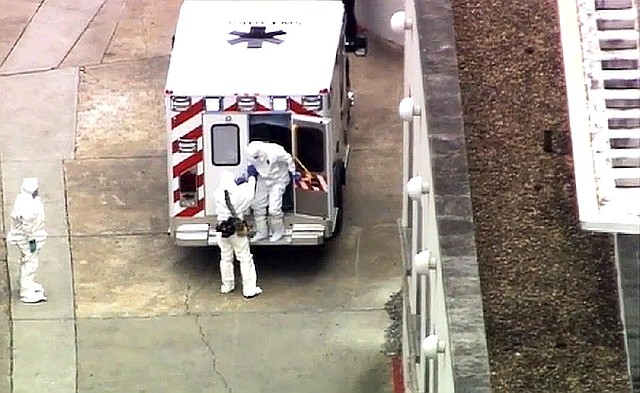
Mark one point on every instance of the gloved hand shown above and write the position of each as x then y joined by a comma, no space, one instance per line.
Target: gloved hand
240,180
32,246
295,176
252,171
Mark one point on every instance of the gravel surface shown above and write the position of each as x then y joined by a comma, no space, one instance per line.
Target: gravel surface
550,293
393,333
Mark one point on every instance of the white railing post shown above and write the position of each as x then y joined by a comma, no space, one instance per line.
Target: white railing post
400,24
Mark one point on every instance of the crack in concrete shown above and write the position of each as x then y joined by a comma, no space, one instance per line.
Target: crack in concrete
113,33
206,343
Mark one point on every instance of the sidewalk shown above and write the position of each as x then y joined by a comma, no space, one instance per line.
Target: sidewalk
44,339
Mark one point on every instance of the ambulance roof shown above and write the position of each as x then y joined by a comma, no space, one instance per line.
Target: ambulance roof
267,47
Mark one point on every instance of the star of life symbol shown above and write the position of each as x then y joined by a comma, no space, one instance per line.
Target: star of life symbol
256,36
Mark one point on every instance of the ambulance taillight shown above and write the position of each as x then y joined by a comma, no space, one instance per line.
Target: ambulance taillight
188,188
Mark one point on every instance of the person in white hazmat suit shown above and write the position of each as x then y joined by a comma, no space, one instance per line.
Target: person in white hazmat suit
232,200
28,234
274,169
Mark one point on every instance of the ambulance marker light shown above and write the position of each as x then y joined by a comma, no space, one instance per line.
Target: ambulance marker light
180,104
313,103
187,145
247,104
279,103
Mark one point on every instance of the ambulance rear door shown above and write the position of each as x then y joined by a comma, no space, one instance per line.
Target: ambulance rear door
225,137
311,139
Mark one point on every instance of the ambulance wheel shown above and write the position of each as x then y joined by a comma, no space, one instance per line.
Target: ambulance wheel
338,188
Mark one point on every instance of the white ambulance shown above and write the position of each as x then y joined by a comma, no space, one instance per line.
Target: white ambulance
269,70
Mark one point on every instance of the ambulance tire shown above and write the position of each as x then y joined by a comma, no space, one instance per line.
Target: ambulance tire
338,187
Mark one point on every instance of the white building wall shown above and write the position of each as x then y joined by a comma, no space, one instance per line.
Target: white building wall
375,14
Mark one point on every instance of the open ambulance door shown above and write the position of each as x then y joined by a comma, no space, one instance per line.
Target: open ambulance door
310,143
225,137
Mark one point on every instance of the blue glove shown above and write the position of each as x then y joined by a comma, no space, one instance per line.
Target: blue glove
295,176
252,171
240,180
32,246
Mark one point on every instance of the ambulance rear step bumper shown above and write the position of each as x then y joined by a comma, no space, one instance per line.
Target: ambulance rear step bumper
201,235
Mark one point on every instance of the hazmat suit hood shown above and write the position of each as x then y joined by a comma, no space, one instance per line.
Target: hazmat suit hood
272,162
256,150
27,204
240,196
27,215
30,185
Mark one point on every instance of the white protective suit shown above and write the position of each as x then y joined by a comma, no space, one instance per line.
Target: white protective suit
275,167
27,232
241,197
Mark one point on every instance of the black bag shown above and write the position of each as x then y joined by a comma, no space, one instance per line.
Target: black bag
226,228
232,225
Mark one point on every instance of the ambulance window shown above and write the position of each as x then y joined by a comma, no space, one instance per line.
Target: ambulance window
310,148
225,139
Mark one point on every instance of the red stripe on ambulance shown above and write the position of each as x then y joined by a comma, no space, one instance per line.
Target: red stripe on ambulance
191,161
191,135
192,211
192,111
258,108
300,110
185,130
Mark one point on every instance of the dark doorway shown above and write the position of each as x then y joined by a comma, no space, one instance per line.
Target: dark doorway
274,128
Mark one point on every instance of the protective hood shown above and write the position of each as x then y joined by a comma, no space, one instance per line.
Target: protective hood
30,185
27,215
255,150
239,195
27,207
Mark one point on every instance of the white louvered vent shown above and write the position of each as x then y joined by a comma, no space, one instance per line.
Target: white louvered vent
610,43
618,37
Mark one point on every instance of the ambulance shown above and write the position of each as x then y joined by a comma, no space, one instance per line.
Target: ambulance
258,70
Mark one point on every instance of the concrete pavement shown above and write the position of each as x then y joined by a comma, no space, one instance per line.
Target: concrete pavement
50,35
128,311
37,136
5,313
